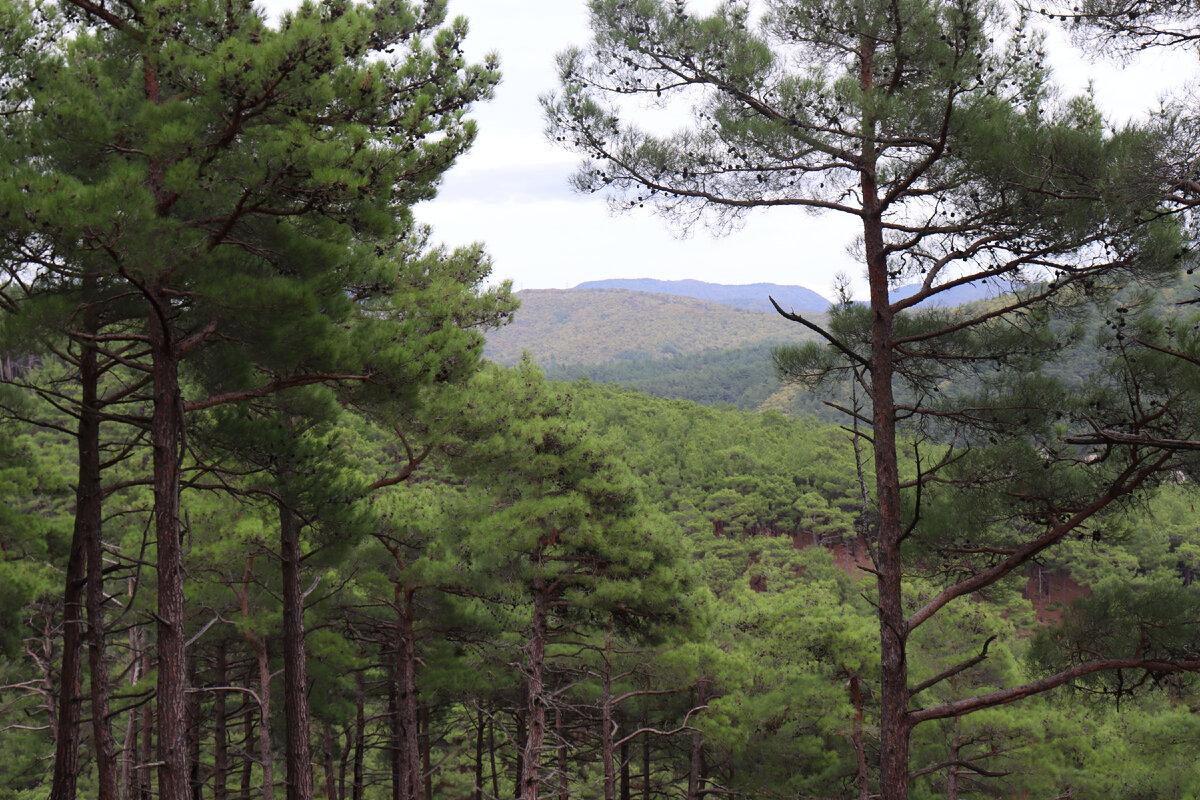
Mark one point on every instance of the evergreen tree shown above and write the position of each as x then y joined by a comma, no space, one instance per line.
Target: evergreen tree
225,172
935,127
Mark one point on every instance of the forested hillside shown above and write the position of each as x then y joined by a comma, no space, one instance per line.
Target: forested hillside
273,526
559,327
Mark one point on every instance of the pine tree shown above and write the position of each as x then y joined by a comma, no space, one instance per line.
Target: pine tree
935,127
225,172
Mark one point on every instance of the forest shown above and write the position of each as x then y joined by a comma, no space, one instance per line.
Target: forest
272,526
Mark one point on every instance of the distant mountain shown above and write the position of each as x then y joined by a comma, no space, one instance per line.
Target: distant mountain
752,296
594,326
958,296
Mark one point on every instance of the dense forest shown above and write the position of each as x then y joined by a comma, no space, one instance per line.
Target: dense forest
271,524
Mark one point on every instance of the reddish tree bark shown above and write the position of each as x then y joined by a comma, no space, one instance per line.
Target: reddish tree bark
220,726
535,685
297,718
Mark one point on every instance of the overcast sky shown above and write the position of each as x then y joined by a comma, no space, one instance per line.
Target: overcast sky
511,190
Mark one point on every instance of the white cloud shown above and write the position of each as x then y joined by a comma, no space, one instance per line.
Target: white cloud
511,190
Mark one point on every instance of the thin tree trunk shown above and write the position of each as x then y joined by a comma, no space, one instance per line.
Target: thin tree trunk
426,758
564,776
646,747
347,752
330,760
479,741
295,663
696,765
492,758
144,780
952,770
65,725
862,776
522,738
220,731
248,744
531,772
195,783
360,733
259,646
130,777
87,529
395,751
625,789
265,755
607,749
129,748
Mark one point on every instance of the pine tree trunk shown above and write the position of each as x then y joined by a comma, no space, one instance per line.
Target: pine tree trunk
195,781
259,646
479,741
347,753
426,758
531,772
564,776
696,766
521,740
248,744
102,736
329,761
492,758
265,755
360,733
295,662
952,770
129,749
625,770
406,739
646,749
66,725
395,750
895,727
145,789
87,529
166,433
862,777
220,730
131,777
607,749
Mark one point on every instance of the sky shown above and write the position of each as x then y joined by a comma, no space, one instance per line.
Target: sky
511,190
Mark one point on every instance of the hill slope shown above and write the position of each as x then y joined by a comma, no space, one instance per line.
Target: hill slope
593,326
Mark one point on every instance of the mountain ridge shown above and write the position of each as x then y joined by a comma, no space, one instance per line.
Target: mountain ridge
751,296
757,296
